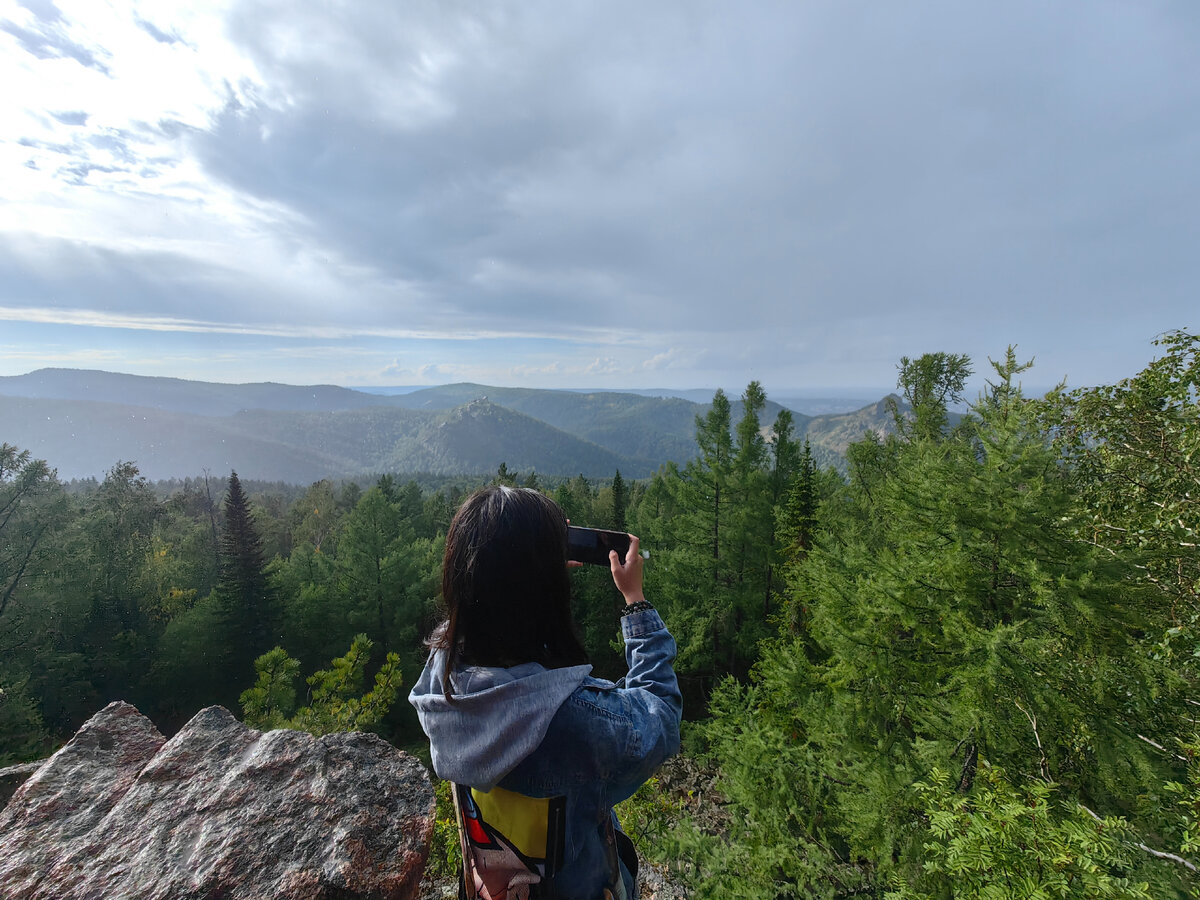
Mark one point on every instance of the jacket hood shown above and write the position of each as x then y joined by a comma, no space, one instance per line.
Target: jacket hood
498,717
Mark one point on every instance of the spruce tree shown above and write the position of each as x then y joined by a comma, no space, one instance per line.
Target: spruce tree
697,574
244,595
620,502
715,523
710,478
797,521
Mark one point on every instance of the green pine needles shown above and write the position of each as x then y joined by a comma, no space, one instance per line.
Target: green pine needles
336,698
968,696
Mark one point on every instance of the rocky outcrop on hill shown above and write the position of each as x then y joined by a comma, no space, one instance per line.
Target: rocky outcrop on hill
219,810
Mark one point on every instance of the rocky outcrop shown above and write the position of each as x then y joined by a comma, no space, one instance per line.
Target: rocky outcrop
219,810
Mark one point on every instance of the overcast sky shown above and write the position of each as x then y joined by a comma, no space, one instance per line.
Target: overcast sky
603,194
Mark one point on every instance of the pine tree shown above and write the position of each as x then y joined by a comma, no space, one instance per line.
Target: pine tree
710,476
620,502
696,560
785,463
715,526
244,595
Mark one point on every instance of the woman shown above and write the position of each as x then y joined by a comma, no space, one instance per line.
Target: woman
539,751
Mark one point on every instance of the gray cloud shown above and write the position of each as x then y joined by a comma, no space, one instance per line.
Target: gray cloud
789,156
777,188
71,118
158,34
51,42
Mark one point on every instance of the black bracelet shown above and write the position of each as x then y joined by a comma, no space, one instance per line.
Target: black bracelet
639,606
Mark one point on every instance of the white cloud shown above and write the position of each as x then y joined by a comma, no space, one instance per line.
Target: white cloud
674,358
434,373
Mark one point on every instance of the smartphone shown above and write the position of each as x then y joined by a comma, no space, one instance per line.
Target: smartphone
591,545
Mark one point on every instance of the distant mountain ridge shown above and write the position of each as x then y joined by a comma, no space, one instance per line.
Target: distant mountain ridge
84,421
202,398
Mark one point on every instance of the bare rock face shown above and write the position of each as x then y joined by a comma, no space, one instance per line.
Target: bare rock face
220,810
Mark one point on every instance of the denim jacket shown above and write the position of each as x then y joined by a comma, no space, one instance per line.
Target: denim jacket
560,732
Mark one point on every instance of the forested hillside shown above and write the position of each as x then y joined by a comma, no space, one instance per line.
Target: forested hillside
83,421
963,666
299,447
653,428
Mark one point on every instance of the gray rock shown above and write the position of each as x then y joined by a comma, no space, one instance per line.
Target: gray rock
220,810
12,777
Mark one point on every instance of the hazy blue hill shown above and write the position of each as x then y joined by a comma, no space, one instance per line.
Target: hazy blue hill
197,397
358,439
476,436
85,438
628,423
83,422
471,439
808,403
694,395
822,404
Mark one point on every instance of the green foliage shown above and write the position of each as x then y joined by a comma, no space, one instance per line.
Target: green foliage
796,516
1187,801
648,817
111,544
375,564
1004,842
23,736
950,614
315,518
772,843
930,384
445,851
187,667
272,700
336,701
1136,448
30,514
620,503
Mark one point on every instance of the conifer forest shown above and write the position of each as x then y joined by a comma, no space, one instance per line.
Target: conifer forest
961,664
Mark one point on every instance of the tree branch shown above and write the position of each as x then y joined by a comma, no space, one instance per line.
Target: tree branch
1191,867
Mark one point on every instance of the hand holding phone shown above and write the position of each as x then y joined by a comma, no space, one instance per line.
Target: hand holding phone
591,545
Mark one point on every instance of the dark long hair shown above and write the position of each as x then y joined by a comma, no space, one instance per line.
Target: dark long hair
505,583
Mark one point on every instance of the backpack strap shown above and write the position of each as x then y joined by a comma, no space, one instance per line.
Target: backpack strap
512,845
465,892
614,853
